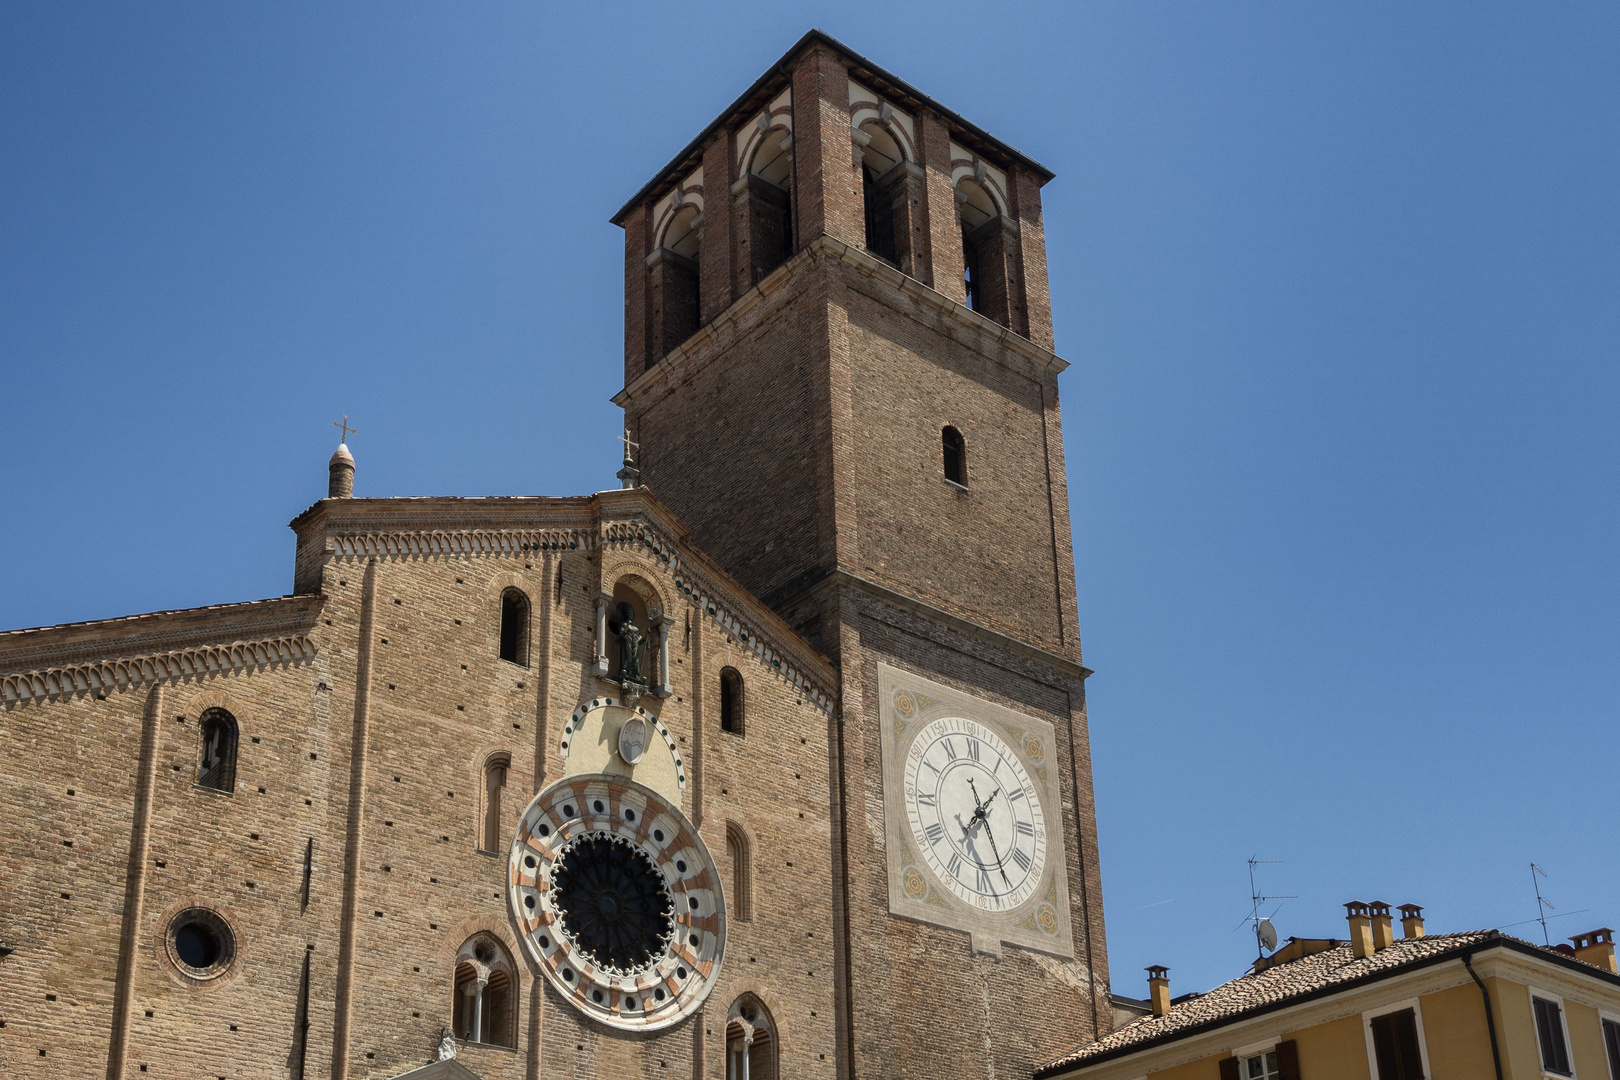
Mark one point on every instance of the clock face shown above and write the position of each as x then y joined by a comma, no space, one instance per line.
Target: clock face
617,901
974,814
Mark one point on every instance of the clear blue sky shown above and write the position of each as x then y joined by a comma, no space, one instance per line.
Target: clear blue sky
1338,281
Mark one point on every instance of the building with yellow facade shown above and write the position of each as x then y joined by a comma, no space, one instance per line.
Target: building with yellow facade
1468,1006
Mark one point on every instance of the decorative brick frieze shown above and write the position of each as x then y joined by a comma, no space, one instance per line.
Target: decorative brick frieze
133,672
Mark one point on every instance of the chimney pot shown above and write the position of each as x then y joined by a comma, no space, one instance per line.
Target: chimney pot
1596,947
1383,925
1360,919
1159,989
1411,921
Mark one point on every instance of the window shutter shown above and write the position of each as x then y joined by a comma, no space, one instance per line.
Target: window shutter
1229,1068
1288,1060
1550,1030
1611,1041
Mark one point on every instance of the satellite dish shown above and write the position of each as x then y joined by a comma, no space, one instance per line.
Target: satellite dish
1268,935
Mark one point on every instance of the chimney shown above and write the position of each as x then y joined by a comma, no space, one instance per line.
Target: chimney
1159,989
1411,921
1383,926
1361,938
340,484
1596,947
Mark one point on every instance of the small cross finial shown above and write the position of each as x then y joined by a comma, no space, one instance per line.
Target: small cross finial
629,475
347,430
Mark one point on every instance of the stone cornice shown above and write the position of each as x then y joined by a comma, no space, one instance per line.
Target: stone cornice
940,617
693,354
158,632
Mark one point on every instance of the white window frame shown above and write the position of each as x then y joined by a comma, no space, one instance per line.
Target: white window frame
1613,1018
1244,1053
1384,1010
1563,1021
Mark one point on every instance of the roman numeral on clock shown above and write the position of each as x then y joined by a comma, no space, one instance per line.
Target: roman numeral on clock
1024,828
927,799
983,883
935,833
954,865
973,749
1021,859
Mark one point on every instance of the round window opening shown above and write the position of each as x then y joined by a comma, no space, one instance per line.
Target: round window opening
201,943
614,902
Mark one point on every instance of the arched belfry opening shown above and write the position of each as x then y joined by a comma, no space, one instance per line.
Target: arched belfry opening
986,249
770,199
751,1040
887,191
676,276
486,993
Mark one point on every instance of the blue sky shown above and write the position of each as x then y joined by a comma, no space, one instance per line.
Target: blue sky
1339,283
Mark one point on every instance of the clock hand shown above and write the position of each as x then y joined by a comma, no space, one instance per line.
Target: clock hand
996,851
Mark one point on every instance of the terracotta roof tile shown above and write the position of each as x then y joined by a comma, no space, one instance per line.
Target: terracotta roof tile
1271,988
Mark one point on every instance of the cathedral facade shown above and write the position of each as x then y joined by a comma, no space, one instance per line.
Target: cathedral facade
772,763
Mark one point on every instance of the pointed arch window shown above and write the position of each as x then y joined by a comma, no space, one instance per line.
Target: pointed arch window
515,627
485,1006
750,1040
219,736
955,448
739,856
731,701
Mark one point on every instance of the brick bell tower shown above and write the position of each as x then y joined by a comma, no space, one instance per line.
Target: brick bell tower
839,369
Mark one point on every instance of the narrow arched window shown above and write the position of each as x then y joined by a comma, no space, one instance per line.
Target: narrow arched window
742,886
515,627
955,457
485,1005
218,768
494,788
731,701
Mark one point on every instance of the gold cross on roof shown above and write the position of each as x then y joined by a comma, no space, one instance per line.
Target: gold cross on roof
347,430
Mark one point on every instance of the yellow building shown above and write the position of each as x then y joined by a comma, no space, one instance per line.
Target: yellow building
1467,1006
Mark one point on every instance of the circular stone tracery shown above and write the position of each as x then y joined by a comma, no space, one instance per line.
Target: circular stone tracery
613,901
617,901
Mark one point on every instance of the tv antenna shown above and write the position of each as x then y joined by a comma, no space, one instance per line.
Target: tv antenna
1543,905
1265,934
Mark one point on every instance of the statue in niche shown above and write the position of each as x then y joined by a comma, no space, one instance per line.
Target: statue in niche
631,640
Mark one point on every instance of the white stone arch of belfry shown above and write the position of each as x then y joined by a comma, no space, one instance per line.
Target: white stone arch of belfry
678,217
771,130
968,172
868,111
